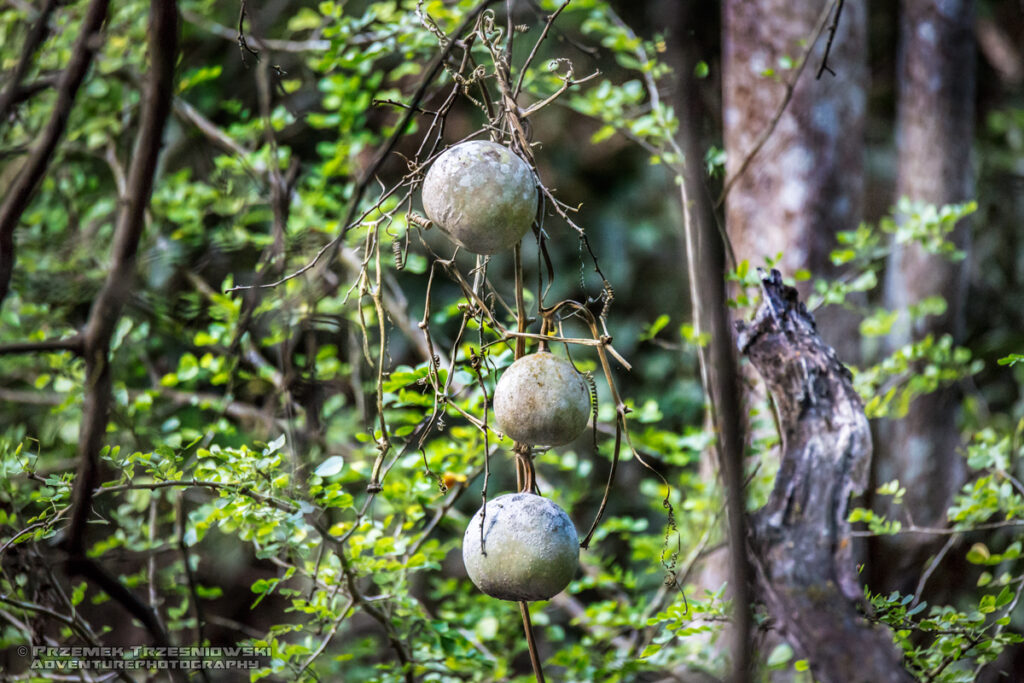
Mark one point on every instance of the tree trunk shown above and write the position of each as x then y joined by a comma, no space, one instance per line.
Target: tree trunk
806,182
935,129
794,151
706,266
801,540
706,272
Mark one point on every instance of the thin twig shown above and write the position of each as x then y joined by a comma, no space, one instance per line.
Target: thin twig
327,638
186,112
382,154
786,98
33,40
533,53
939,531
73,344
402,105
585,543
222,486
404,657
828,46
1000,625
312,45
154,598
566,84
74,622
32,527
443,510
243,44
919,591
193,588
20,193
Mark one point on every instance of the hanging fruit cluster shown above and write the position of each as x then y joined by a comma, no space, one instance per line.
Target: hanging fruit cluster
520,546
485,196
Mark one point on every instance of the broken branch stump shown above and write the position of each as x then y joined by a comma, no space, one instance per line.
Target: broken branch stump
800,540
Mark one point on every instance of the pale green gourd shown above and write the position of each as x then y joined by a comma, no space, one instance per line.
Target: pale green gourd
481,195
530,548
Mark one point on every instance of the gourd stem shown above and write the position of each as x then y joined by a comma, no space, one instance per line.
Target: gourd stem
526,475
517,259
524,609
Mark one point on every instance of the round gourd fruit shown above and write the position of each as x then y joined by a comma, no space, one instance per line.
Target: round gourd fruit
541,399
482,195
530,548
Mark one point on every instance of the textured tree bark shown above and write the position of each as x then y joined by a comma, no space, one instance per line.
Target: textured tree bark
806,182
936,126
800,539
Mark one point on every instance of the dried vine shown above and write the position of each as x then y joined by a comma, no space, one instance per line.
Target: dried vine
390,224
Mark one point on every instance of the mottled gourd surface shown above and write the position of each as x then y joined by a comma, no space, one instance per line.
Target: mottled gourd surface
482,195
530,548
541,399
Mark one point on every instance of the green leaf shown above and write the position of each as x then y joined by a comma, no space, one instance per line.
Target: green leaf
275,445
486,628
654,328
652,648
843,256
602,134
780,656
1004,598
209,593
978,554
879,323
304,19
330,467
